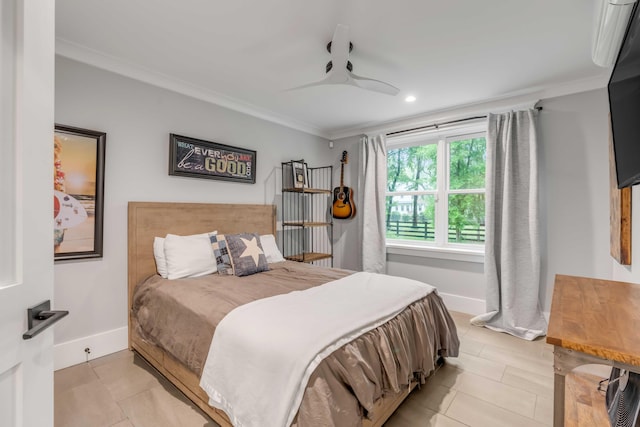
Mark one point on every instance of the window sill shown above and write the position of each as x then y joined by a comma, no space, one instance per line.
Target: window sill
453,254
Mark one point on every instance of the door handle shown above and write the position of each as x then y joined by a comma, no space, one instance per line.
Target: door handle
40,317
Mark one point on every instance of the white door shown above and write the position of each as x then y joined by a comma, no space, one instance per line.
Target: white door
26,208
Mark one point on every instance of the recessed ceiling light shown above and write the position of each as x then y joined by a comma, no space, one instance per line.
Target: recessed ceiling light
410,98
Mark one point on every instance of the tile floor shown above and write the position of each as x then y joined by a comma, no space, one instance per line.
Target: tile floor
498,380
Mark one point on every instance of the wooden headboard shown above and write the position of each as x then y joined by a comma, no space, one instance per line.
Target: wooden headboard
150,219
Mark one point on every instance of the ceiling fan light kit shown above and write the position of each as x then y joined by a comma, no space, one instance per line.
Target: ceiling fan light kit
339,69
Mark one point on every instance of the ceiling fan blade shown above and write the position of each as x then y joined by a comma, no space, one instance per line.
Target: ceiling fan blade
373,85
334,77
318,83
340,47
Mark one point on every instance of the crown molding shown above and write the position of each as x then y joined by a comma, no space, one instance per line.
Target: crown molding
80,53
508,101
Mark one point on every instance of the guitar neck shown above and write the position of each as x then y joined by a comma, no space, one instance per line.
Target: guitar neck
341,176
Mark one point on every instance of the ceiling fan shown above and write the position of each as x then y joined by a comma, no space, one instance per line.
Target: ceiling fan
339,69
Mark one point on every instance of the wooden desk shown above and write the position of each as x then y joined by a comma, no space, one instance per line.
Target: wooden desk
592,321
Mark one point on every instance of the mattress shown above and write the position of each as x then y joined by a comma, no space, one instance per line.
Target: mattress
180,316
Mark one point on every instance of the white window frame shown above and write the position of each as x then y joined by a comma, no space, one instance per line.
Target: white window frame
440,247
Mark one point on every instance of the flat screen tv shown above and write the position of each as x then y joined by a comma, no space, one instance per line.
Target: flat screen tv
624,103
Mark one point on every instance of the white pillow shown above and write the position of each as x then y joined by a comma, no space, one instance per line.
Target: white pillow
189,256
270,248
158,253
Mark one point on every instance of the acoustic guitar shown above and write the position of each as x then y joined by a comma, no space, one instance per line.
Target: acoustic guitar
343,206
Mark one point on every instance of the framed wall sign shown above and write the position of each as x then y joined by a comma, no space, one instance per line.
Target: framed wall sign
205,159
78,196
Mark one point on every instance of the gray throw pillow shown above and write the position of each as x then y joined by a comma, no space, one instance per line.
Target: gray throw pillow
246,254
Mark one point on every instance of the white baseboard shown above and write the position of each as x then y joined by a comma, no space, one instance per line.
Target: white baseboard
72,352
462,304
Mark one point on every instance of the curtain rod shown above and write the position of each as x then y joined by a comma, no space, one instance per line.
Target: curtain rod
437,125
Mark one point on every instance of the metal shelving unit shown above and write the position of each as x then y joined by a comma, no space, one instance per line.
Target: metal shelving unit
307,222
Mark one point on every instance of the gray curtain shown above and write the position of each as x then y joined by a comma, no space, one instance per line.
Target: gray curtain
512,250
373,184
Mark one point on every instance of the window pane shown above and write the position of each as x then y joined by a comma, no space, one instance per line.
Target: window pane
411,217
466,218
467,160
412,168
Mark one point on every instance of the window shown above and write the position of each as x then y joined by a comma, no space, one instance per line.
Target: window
435,189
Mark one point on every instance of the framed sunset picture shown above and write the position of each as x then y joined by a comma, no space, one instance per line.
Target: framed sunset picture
78,197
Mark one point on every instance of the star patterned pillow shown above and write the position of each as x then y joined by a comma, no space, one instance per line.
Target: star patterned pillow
247,254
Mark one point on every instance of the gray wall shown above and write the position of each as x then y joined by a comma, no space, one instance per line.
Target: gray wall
574,201
138,119
574,188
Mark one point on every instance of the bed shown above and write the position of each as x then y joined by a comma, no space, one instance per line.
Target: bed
147,220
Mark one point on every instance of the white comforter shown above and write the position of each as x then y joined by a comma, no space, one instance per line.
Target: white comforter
263,353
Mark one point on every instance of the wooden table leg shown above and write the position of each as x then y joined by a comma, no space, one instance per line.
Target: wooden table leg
558,400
